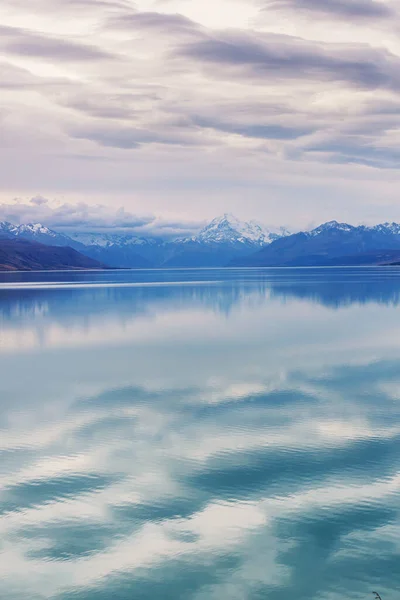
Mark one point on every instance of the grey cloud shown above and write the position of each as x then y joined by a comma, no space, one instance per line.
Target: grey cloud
284,57
14,78
66,6
172,24
171,229
224,113
38,200
382,106
95,4
24,42
180,90
109,106
380,158
343,9
98,216
371,126
355,149
180,225
73,216
83,217
271,131
129,137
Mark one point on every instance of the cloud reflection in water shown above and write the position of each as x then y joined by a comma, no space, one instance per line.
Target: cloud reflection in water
237,438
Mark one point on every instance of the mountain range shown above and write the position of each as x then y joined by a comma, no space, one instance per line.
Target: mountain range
222,240
225,241
330,244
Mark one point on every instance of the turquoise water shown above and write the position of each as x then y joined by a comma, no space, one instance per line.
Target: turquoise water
200,435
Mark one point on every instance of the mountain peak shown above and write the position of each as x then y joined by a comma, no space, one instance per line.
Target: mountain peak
393,228
7,229
35,228
331,225
40,233
227,219
6,225
230,230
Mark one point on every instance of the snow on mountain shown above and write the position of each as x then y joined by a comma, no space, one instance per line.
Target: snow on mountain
393,228
107,240
29,230
227,229
330,225
36,232
279,233
35,229
7,230
224,239
383,228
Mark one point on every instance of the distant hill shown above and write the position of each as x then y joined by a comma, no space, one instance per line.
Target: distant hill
330,244
23,255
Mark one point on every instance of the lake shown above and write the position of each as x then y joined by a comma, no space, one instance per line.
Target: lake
200,434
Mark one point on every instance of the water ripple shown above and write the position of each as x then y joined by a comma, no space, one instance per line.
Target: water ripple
233,440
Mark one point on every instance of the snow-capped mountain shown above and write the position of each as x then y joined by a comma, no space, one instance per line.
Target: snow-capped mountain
335,227
223,240
106,240
227,229
331,244
117,251
124,250
218,242
389,228
330,226
36,229
35,232
7,230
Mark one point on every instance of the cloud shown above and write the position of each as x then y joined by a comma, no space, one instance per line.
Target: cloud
68,217
253,130
352,149
280,57
15,78
342,9
101,105
23,42
183,107
182,444
130,137
38,200
172,24
75,7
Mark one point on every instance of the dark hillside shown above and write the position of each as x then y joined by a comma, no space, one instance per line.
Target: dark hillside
22,255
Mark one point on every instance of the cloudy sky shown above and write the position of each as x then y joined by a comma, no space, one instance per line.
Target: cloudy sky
115,111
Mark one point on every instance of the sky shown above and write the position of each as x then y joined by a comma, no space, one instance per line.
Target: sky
166,113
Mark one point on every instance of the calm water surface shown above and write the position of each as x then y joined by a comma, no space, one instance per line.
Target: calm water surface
200,435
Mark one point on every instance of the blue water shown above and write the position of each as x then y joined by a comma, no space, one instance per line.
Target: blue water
200,435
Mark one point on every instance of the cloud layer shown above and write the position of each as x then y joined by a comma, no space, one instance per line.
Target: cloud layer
69,217
262,108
